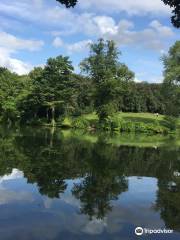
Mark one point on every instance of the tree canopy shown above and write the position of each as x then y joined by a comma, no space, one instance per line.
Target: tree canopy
55,92
172,79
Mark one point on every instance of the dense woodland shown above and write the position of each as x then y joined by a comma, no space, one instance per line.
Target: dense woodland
105,86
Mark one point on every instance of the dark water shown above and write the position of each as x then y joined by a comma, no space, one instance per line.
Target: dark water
69,186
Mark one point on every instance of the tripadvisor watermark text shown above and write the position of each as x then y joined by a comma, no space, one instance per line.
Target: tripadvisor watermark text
140,231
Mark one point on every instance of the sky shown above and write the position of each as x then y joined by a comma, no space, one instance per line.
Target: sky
31,31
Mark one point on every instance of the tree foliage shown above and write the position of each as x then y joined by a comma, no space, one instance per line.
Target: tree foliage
171,86
105,70
175,4
68,3
50,94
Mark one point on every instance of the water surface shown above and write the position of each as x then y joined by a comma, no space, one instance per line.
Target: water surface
58,185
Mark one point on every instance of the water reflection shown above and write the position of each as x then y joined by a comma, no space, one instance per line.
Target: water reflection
56,186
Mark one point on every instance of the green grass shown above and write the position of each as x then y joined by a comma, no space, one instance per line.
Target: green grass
142,117
132,117
133,122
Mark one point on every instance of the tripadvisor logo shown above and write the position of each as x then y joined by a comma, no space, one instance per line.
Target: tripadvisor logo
139,231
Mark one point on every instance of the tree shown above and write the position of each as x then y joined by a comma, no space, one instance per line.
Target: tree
175,4
102,66
52,89
68,3
172,64
171,85
12,89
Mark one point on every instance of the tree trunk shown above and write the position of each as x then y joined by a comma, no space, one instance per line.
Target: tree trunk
35,115
53,116
47,114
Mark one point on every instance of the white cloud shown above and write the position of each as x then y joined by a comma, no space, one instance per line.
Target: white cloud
78,46
131,7
57,42
10,44
68,22
152,37
13,64
13,43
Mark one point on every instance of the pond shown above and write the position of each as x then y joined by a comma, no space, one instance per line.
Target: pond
65,185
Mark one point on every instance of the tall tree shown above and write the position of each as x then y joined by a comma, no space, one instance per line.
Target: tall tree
56,85
171,86
102,65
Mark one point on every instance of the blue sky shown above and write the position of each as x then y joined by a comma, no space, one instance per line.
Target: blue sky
33,30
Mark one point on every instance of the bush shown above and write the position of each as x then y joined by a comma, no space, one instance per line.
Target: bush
66,123
80,123
105,124
116,123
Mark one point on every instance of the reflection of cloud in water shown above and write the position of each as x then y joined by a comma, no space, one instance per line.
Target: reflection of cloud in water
9,196
14,175
95,226
71,200
48,202
66,197
135,206
62,216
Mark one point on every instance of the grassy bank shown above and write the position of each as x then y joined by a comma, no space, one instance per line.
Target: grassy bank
124,139
123,122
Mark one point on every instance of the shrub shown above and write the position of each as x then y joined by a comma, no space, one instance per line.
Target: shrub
116,123
128,127
80,123
105,124
66,123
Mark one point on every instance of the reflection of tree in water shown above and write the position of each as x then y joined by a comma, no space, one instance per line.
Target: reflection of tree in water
49,160
96,192
168,202
103,183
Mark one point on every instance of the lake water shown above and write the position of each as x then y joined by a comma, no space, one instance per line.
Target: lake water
63,185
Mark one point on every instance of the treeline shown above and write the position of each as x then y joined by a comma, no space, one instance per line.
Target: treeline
105,86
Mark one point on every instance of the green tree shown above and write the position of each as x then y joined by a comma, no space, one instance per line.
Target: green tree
102,66
52,91
171,86
12,89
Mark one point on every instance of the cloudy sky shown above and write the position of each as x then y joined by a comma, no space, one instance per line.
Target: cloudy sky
33,30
